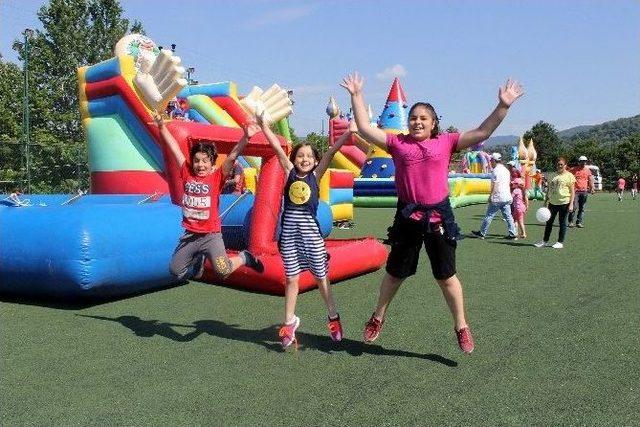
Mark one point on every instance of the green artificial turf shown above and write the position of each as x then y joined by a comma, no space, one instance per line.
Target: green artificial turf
556,344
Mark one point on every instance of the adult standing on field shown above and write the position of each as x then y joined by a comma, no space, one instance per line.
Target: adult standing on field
559,200
499,199
584,186
423,214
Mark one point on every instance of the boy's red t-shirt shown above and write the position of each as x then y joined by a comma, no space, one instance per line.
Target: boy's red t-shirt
200,202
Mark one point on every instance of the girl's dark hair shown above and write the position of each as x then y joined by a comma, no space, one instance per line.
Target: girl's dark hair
294,151
203,147
434,116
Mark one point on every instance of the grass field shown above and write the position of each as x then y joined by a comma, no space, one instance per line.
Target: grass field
556,344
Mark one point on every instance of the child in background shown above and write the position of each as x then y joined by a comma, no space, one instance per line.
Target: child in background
519,206
202,182
634,185
620,190
301,244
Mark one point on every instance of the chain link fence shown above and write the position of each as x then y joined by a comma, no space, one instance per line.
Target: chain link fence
51,168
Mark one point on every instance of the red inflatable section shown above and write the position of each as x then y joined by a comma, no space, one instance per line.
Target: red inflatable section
340,179
128,182
337,127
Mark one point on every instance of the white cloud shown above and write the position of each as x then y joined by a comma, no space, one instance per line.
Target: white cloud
396,70
278,16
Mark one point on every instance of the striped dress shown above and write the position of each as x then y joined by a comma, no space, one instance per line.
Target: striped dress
301,244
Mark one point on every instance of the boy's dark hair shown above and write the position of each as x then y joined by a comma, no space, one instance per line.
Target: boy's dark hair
298,146
434,116
203,147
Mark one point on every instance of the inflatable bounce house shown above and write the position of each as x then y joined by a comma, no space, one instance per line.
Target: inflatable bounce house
525,160
120,239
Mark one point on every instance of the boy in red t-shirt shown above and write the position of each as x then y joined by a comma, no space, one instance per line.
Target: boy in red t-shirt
202,182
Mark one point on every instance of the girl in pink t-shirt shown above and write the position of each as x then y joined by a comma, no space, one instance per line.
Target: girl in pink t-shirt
519,205
424,215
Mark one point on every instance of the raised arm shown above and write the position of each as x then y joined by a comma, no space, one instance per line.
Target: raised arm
275,144
353,83
169,140
249,130
324,162
507,95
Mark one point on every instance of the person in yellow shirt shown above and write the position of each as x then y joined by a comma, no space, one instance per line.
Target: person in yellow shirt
559,200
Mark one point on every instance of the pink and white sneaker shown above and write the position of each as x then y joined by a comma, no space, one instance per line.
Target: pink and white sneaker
288,332
335,329
465,340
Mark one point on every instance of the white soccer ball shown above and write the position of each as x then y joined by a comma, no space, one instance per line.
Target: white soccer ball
543,214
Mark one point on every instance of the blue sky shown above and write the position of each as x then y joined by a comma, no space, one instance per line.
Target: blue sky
579,61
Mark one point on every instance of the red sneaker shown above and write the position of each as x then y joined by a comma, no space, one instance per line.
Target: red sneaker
465,340
288,332
372,329
335,328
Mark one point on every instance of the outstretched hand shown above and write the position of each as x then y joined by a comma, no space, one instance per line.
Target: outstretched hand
511,91
353,128
251,128
353,83
158,120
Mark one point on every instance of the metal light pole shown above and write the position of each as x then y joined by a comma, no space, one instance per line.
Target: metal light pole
28,33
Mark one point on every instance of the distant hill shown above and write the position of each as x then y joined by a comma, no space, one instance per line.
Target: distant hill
568,133
610,132
501,140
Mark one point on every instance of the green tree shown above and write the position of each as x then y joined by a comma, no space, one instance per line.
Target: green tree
321,142
547,142
10,101
75,33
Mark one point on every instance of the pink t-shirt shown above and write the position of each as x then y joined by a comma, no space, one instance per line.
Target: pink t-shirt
422,167
621,184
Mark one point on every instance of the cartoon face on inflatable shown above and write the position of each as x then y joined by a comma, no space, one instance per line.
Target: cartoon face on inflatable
142,48
299,192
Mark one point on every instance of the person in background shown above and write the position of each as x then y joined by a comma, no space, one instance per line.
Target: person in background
513,171
519,205
499,199
584,186
634,185
235,182
559,200
620,190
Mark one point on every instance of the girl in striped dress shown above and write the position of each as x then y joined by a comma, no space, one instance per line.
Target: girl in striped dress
301,244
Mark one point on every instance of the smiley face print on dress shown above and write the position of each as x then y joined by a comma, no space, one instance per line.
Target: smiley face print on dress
299,192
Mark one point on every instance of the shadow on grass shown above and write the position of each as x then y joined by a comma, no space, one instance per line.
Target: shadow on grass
263,337
511,243
78,302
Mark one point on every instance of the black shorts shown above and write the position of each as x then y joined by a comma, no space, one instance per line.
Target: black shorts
406,238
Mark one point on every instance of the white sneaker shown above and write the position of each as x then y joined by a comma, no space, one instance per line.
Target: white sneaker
540,244
557,245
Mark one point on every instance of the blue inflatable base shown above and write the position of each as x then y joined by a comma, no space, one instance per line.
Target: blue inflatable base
102,245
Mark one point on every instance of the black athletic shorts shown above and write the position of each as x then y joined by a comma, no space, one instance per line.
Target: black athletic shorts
406,238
